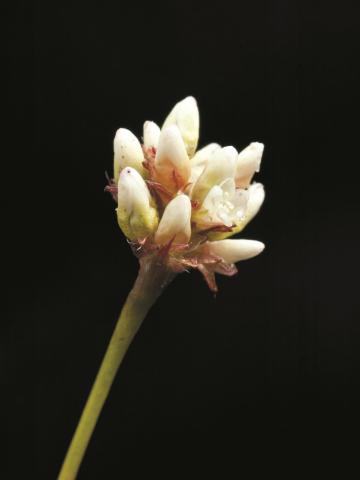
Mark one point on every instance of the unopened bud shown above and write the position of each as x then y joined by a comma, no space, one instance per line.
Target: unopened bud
232,251
185,115
175,224
136,215
127,152
172,164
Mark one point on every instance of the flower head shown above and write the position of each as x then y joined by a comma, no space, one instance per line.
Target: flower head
183,204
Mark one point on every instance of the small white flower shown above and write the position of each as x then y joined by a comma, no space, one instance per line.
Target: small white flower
255,198
224,204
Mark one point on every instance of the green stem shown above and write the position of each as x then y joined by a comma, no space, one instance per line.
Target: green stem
152,279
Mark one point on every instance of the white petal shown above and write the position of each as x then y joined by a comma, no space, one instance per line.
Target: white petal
228,186
175,223
238,197
202,155
212,200
223,204
151,135
220,166
127,152
256,197
185,115
248,163
199,160
233,251
196,171
172,164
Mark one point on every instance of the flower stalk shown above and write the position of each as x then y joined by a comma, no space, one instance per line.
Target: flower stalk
177,207
153,277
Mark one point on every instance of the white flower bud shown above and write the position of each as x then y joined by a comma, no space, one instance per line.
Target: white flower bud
172,164
151,135
136,215
219,167
203,154
175,223
127,152
232,251
248,163
185,115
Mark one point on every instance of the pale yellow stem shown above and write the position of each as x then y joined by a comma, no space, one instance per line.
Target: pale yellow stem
152,279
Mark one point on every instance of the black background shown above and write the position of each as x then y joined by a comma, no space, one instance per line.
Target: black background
266,374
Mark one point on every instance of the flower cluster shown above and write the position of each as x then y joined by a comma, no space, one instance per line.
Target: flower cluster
181,203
